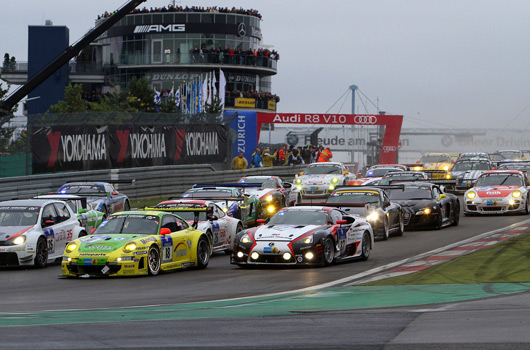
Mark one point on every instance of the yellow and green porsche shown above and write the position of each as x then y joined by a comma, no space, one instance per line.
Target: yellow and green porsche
135,243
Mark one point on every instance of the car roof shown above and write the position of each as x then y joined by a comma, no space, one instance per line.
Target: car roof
58,196
27,202
507,171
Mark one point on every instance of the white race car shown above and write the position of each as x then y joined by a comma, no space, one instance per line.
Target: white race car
207,217
35,231
305,236
498,192
318,180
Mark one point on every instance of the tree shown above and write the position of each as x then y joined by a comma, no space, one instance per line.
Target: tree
144,95
73,101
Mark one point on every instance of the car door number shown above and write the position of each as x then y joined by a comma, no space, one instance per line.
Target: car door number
167,253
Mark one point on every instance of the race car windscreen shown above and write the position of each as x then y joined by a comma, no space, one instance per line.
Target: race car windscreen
265,183
473,155
191,215
85,189
500,180
18,216
464,166
435,158
390,179
129,224
323,170
208,194
411,193
299,217
514,166
512,155
380,172
354,198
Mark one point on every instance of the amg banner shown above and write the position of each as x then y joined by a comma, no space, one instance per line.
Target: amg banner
67,148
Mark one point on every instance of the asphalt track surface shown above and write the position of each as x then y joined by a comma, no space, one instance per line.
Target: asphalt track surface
157,320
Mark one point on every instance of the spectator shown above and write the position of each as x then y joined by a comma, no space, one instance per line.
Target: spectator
268,158
239,162
325,156
295,158
281,156
256,161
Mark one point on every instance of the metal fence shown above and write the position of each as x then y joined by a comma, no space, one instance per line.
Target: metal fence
150,182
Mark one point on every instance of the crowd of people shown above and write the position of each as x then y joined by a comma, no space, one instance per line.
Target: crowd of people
257,95
171,8
254,57
283,156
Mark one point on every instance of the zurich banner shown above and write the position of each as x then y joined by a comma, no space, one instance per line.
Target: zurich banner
244,132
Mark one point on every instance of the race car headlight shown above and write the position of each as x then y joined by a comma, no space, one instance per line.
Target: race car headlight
19,240
246,239
271,209
331,187
269,198
373,216
335,180
446,167
298,181
225,209
308,240
424,211
286,256
471,195
299,187
129,247
417,168
71,247
516,194
448,176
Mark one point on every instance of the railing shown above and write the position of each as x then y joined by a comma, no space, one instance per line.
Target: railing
74,67
150,182
198,58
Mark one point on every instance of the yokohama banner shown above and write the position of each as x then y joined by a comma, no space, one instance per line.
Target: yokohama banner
67,148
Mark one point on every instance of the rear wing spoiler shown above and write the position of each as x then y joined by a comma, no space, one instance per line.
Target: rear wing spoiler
356,187
240,185
176,210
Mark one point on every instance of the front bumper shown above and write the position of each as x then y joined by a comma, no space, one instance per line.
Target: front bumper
15,255
274,255
316,191
494,206
99,266
412,221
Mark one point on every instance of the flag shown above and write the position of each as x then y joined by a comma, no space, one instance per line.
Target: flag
172,92
200,95
205,90
177,99
157,100
222,87
214,85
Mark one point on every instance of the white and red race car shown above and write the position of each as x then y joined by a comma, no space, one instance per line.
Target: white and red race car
375,173
498,192
207,217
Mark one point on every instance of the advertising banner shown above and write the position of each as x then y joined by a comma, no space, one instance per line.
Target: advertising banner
245,102
67,148
244,130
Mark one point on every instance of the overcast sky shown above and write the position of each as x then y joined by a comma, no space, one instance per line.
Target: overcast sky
452,63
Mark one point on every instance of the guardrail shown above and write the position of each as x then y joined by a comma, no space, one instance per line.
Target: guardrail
150,182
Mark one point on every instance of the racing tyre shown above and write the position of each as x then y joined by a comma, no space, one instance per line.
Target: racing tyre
386,230
203,253
126,206
526,209
82,234
401,227
456,215
238,229
329,252
105,210
41,253
210,237
153,261
366,246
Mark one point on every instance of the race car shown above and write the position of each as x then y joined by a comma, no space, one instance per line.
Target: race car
375,174
512,154
101,196
466,172
270,190
395,177
304,236
35,231
208,217
514,165
232,200
87,217
318,180
426,204
137,243
435,161
498,192
471,155
385,217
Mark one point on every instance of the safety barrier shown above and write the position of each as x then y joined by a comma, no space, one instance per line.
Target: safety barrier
149,182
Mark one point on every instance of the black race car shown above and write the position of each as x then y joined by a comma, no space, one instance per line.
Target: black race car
426,204
385,217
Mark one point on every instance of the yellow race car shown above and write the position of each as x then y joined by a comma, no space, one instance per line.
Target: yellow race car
435,161
137,243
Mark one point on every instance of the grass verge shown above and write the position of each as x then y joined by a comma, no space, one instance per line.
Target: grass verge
505,262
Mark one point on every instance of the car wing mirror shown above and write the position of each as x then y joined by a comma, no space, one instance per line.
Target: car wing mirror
165,231
81,211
